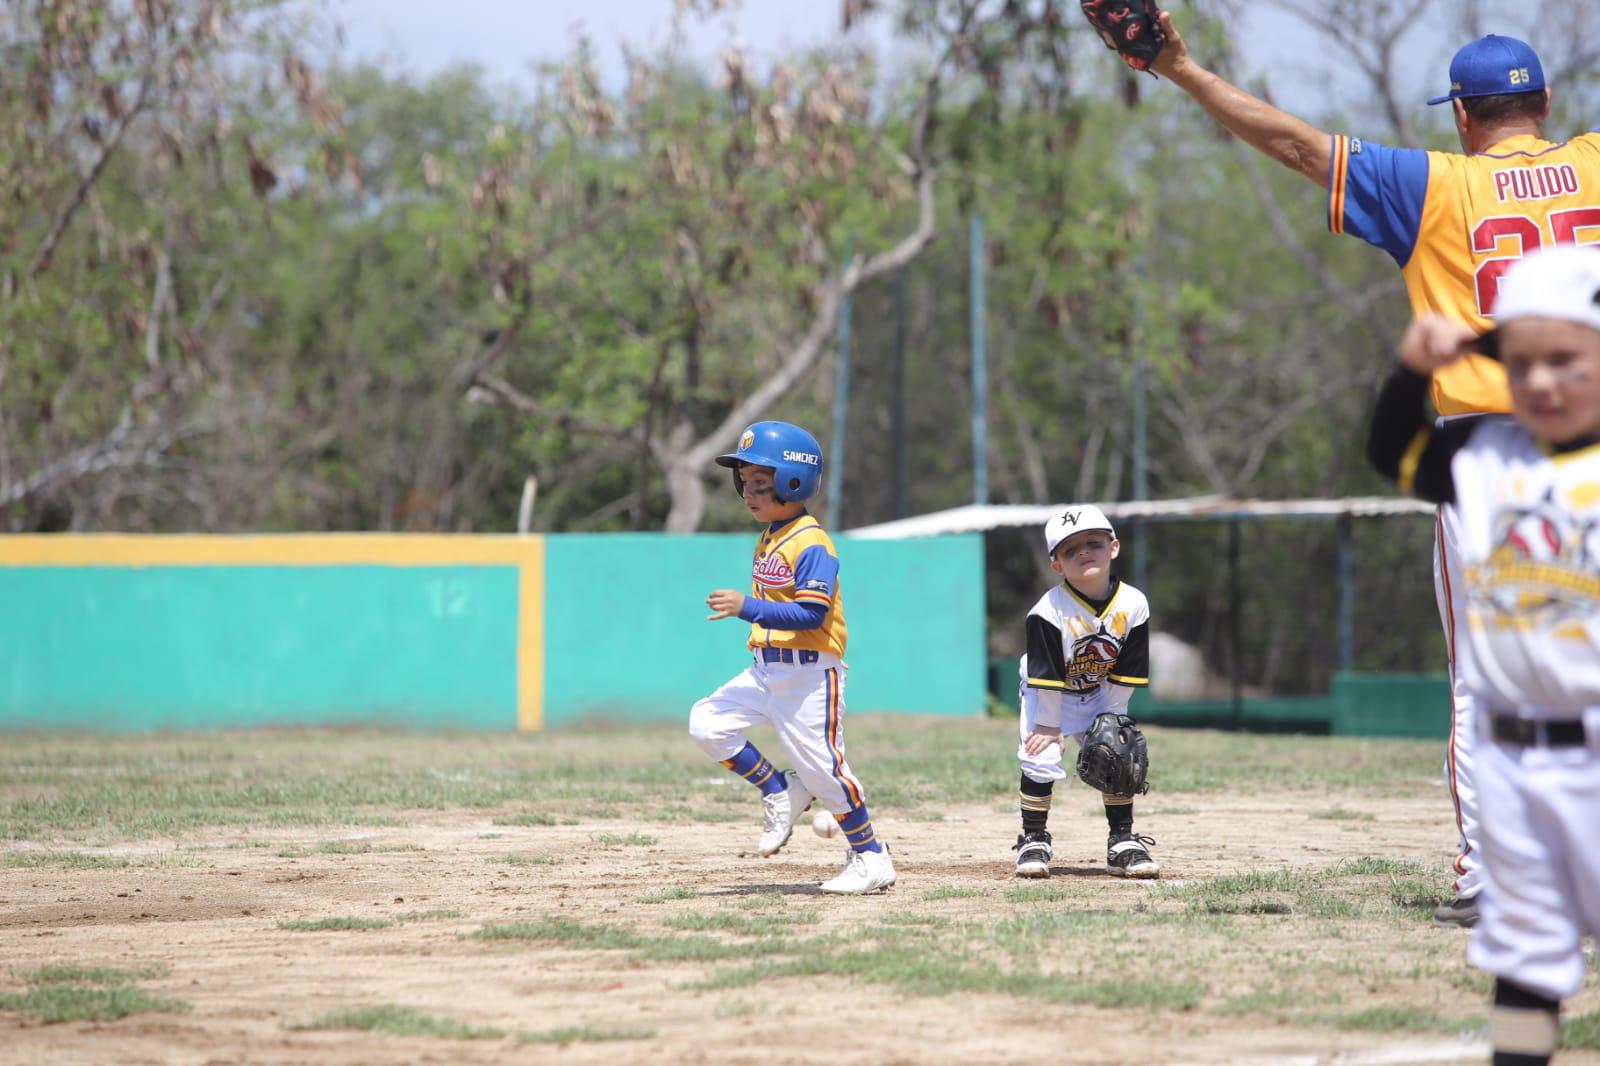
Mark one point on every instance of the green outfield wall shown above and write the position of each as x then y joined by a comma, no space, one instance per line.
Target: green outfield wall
483,632
1357,704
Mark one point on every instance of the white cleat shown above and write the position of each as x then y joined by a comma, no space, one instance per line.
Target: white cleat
864,872
779,813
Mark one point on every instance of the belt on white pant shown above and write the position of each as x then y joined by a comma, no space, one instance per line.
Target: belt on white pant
1537,732
786,655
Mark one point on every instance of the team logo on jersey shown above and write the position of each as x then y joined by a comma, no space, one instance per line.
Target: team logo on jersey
1543,568
772,572
1090,659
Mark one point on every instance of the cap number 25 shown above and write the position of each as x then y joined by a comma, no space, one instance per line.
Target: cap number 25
1522,235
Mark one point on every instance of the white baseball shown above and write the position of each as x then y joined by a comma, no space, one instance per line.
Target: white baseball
824,825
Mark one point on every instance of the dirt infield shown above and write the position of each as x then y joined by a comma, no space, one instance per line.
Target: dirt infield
1288,926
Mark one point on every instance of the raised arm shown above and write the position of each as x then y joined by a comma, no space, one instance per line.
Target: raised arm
1277,134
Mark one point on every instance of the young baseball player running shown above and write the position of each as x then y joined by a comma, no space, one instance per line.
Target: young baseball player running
796,678
1527,493
1088,642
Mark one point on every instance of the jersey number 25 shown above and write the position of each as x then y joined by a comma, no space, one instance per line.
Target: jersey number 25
1526,235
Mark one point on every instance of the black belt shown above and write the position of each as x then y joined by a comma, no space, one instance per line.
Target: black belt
1533,733
787,655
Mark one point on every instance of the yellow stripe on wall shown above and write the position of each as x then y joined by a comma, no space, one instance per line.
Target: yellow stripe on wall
294,549
530,638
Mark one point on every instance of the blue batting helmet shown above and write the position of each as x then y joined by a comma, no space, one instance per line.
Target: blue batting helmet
794,455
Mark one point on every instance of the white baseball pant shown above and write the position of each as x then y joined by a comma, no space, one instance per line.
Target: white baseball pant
804,704
1070,713
1542,865
1449,587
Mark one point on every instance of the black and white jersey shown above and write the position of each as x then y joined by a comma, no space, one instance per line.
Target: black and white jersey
1077,645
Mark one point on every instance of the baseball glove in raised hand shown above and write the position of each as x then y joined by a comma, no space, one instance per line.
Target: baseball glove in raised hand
1129,26
1114,758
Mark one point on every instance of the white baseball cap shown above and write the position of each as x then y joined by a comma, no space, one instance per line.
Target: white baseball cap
1561,282
1075,519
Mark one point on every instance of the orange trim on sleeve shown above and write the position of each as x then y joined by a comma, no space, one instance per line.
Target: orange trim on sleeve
1336,182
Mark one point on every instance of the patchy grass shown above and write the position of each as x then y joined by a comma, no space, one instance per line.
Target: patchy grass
341,847
332,925
1045,893
525,818
579,1034
951,892
1389,1019
142,787
1251,946
627,840
1582,1032
667,895
77,860
69,992
105,976
75,1003
742,925
518,859
402,1021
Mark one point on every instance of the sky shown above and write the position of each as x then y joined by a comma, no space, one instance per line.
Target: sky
506,37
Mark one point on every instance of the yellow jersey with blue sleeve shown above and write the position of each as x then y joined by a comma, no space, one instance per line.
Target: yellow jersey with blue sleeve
794,599
1455,223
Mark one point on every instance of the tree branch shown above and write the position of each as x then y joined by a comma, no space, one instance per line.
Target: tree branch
58,228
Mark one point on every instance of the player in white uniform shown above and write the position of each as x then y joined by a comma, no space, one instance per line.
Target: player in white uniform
1088,649
1527,493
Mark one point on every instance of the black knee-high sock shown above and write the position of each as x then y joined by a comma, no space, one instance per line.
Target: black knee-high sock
1119,814
1035,798
1524,1026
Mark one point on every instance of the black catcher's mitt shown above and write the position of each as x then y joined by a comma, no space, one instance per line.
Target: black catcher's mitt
1113,757
1129,26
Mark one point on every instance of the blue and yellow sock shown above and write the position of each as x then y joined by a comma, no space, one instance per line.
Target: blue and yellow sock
753,766
857,826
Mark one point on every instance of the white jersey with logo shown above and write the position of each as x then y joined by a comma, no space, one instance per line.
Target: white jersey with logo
1530,544
1083,658
1531,553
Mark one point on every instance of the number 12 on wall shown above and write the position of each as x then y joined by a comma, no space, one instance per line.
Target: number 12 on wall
448,599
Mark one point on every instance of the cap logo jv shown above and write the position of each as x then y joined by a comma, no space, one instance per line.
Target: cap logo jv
746,440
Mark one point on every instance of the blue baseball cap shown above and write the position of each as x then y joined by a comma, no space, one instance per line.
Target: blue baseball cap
1492,66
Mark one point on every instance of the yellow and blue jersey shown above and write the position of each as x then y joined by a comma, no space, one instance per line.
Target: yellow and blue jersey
1455,223
794,578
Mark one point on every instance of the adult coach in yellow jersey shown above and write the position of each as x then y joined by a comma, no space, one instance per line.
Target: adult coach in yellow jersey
1453,223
